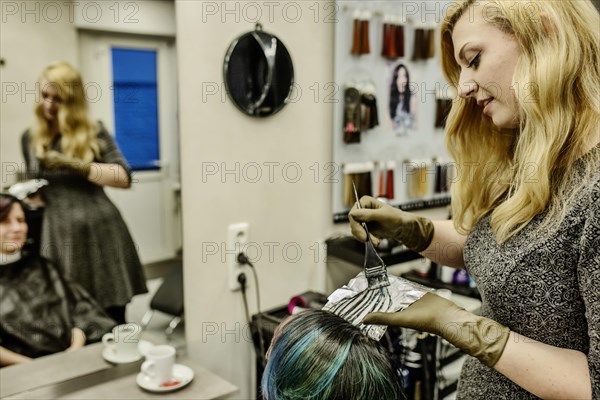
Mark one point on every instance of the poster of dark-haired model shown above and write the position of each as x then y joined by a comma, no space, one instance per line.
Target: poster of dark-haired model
403,101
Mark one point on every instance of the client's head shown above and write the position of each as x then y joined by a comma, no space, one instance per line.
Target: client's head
13,226
317,355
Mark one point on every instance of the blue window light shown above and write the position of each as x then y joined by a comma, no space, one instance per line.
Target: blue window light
136,107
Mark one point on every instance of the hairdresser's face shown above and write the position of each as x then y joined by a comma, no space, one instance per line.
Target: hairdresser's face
13,230
51,100
487,58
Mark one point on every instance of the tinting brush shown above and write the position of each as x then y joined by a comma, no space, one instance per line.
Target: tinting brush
373,290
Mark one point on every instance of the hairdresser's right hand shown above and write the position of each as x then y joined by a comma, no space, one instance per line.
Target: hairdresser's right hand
57,160
385,221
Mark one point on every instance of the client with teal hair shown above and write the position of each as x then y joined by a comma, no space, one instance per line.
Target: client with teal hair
317,355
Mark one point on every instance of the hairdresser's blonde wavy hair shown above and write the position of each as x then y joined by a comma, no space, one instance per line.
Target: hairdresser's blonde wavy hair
79,133
523,173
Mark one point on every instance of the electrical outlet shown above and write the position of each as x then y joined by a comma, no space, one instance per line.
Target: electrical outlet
237,238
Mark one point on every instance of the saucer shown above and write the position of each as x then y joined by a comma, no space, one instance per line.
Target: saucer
109,355
182,375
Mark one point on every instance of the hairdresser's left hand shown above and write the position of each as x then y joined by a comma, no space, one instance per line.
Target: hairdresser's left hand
477,336
56,160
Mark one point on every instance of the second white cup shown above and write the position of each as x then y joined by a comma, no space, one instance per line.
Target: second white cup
159,364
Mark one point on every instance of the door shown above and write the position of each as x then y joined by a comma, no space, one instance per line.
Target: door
151,207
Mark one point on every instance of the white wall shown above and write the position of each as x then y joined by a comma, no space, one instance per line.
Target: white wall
217,138
30,38
150,17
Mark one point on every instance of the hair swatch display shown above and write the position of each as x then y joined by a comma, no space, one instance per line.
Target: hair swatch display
360,111
365,48
358,174
348,195
388,48
360,33
352,115
381,192
419,44
363,183
418,182
386,180
369,117
430,43
424,45
389,186
393,39
441,178
385,71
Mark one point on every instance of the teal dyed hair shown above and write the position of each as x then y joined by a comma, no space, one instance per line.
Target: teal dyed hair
319,356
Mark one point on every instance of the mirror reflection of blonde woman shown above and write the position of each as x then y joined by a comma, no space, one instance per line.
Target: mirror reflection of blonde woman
83,232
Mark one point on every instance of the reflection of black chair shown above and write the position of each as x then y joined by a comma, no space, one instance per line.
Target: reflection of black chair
168,299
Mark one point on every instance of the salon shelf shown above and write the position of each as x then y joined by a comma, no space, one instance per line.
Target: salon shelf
351,250
438,284
342,217
449,359
448,390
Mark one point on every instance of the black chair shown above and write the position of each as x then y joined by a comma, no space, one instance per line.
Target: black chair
168,299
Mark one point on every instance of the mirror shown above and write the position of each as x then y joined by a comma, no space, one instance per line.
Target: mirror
258,73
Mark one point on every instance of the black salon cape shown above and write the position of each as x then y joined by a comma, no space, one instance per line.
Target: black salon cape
38,309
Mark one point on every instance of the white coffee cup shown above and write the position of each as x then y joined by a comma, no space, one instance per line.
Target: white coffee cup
123,340
159,364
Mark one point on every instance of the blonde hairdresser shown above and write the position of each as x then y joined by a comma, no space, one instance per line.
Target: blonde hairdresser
524,133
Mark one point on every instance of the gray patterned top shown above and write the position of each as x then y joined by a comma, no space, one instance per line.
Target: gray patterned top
543,286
